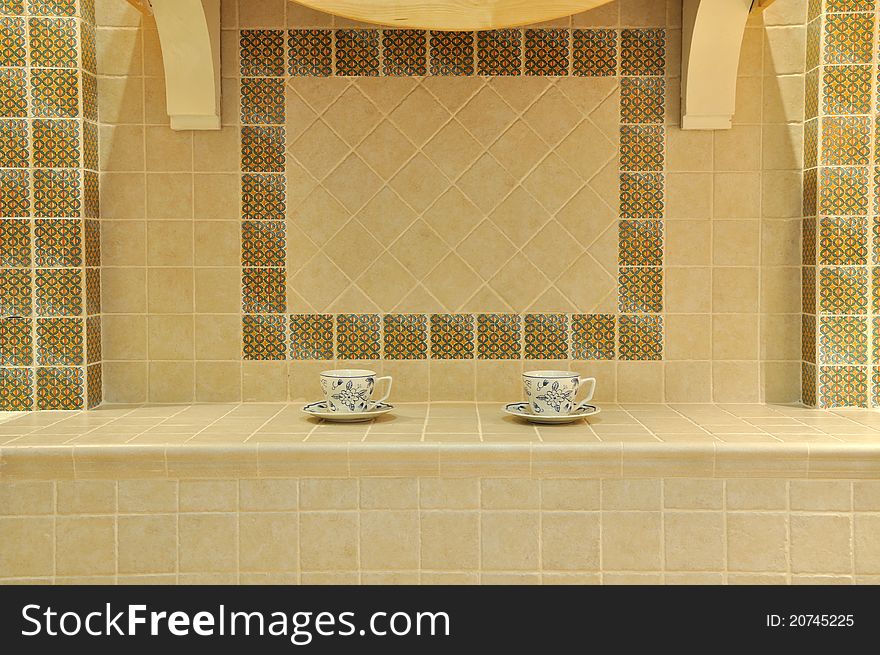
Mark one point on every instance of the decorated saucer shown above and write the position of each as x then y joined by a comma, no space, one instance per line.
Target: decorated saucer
522,410
320,410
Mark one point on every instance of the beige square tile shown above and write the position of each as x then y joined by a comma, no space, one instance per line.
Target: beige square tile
389,493
687,493
268,495
867,538
170,290
570,541
452,380
820,495
631,541
736,243
328,493
207,543
268,541
821,544
509,540
147,544
170,337
147,496
450,540
263,381
640,382
449,493
171,382
570,494
218,382
631,494
208,495
510,494
756,542
694,541
27,546
688,243
688,290
86,497
688,382
329,541
85,545
689,195
27,498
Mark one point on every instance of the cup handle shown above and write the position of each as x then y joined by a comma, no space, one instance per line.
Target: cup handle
589,396
387,392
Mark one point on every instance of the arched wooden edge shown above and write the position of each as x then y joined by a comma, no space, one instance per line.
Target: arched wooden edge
452,14
189,33
712,33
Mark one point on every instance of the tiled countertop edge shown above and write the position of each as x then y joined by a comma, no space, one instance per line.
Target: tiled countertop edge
90,462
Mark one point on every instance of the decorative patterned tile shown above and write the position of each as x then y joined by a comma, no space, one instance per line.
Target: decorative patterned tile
93,339
357,336
52,7
875,338
814,38
12,7
547,52
56,143
642,195
640,243
13,93
54,93
592,336
93,291
843,340
499,336
88,49
643,52
15,292
262,197
357,53
261,53
452,53
845,90
16,389
811,143
263,337
60,388
843,191
13,144
92,242
640,289
12,41
499,52
91,196
808,338
14,193
843,386
843,240
808,241
90,145
406,336
90,96
810,195
15,242
311,53
58,242
16,342
59,292
263,290
876,191
875,289
262,243
640,337
808,384
642,99
846,141
452,336
94,385
642,147
262,149
849,38
53,42
311,336
546,336
594,53
875,386
57,193
59,342
843,290
808,289
262,100
815,6
404,52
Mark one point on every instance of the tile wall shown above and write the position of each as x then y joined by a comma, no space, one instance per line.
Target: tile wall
50,255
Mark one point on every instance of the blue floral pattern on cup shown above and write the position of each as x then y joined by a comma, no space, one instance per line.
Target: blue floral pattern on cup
553,392
351,390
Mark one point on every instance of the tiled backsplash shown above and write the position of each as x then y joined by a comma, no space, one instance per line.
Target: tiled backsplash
490,203
50,326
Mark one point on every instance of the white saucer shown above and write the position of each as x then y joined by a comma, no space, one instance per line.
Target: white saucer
319,410
522,410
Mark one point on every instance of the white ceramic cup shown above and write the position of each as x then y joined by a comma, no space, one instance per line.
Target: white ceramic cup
351,389
553,392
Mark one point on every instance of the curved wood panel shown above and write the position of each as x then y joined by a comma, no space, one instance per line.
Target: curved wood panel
452,14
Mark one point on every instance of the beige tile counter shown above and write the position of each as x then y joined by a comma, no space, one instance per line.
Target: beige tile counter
440,439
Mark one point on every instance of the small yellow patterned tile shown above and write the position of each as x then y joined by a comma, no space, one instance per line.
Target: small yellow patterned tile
811,94
262,149
54,93
811,143
87,10
849,38
261,53
263,290
404,52
93,339
843,191
592,336
13,144
808,384
843,240
594,53
875,289
875,386
499,336
262,100
357,53
843,386
15,242
60,388
93,291
311,53
547,52
12,7
15,292
56,143
263,337
60,342
808,241
640,243
810,192
90,145
58,242
94,385
16,389
843,340
16,342
452,336
814,37
640,337
546,336
642,99
59,292
845,90
808,289
14,193
88,49
57,193
642,147
90,96
640,289
815,6
262,243
262,196
357,336
875,338
843,290
405,336
452,53
499,52
92,245
53,42
311,336
91,197
642,195
643,52
52,7
808,338
13,93
846,141
12,41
